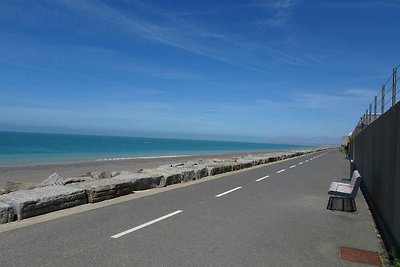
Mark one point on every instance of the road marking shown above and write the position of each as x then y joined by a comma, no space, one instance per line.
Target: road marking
301,163
146,224
292,166
281,171
262,178
307,161
227,192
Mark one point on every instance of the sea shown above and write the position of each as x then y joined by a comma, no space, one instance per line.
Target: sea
20,149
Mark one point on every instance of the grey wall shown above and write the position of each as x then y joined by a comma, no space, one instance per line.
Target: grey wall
376,153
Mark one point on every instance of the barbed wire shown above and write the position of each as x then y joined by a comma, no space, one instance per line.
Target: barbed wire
391,76
373,112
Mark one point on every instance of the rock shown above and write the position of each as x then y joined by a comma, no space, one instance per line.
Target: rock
14,186
236,166
52,180
219,166
87,174
273,159
181,172
142,180
201,172
172,176
214,170
100,190
75,180
247,162
113,174
41,200
6,213
188,175
102,175
163,182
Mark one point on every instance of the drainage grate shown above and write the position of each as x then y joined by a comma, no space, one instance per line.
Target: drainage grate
360,255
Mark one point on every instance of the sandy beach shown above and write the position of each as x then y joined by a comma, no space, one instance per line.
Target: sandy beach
35,174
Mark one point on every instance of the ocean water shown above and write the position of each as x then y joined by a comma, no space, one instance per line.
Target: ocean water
18,149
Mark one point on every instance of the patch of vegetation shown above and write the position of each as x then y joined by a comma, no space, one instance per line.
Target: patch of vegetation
395,258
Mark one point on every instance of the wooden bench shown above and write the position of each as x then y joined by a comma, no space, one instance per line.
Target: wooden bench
346,190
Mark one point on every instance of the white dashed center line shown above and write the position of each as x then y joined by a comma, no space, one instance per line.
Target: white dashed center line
281,171
146,224
262,178
227,192
301,163
292,166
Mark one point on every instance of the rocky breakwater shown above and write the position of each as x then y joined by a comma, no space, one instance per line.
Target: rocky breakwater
41,200
57,192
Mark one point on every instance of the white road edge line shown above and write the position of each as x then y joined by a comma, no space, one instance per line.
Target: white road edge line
281,171
262,178
146,224
292,166
227,192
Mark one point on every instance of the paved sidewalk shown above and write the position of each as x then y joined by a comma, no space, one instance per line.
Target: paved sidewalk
354,230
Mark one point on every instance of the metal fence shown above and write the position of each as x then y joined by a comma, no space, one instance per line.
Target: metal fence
386,98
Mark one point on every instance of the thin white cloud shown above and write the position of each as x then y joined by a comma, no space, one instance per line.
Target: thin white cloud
278,12
186,35
348,98
319,101
363,4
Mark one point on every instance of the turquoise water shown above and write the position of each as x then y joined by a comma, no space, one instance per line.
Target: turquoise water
37,148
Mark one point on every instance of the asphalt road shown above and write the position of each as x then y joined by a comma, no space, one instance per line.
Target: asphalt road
274,215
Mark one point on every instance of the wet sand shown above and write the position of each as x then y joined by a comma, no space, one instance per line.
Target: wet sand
37,173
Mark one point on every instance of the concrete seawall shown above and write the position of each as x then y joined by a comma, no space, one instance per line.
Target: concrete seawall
376,153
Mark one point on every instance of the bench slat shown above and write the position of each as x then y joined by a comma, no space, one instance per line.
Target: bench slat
346,190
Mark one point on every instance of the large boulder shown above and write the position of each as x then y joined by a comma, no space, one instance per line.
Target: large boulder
15,186
182,172
141,180
41,200
247,162
100,190
215,167
74,180
53,179
102,175
170,176
6,213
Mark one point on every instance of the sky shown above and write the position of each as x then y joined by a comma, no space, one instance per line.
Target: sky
265,71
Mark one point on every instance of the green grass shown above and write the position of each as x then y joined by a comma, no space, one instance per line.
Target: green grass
395,258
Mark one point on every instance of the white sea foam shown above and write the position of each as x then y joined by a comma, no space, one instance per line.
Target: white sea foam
149,157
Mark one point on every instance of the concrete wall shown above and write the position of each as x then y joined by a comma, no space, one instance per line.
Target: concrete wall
376,153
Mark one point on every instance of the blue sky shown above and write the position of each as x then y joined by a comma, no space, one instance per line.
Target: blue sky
265,71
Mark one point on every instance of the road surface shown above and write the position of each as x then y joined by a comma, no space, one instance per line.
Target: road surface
272,215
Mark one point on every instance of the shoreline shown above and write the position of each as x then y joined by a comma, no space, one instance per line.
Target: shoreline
35,174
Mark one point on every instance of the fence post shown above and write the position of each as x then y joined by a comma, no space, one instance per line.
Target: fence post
370,113
394,87
364,123
383,100
375,102
366,117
